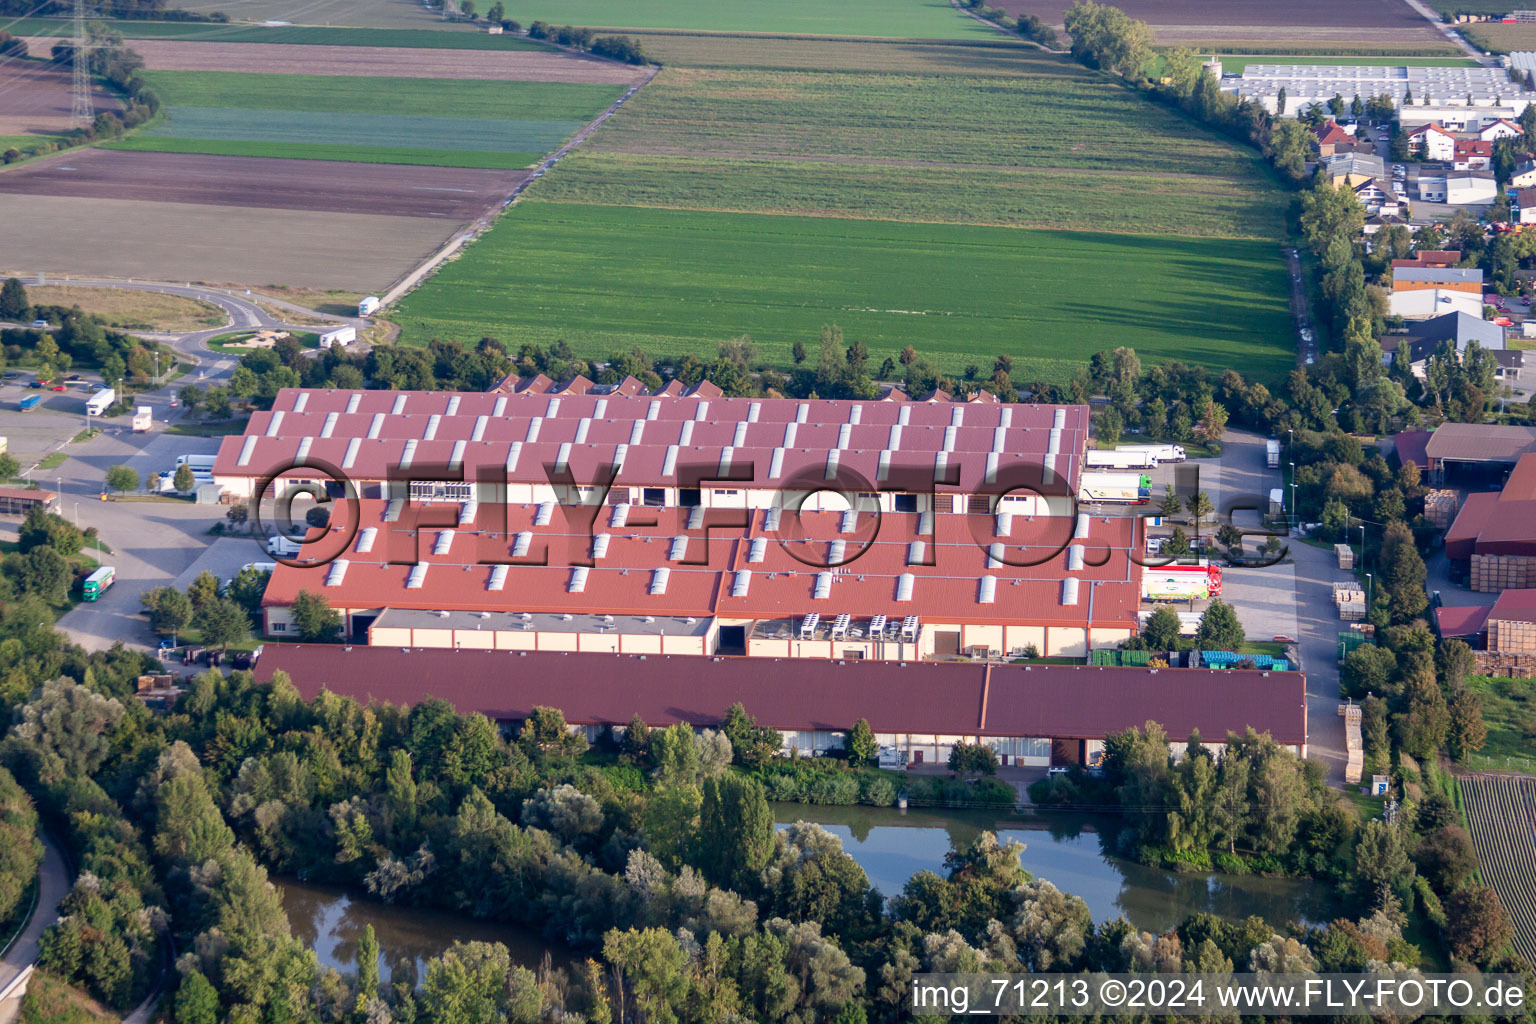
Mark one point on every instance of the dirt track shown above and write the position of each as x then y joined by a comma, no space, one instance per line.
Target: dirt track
379,61
34,99
452,193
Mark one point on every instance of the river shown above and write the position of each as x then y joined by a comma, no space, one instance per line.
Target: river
890,845
1063,848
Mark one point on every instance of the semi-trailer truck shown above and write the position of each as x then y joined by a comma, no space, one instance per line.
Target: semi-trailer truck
143,418
1116,488
1272,453
198,463
1159,452
1118,459
1180,582
100,402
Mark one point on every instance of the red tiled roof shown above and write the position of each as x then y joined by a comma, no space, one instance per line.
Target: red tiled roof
1028,589
1425,129
1521,484
1431,258
1473,147
34,494
1514,606
1410,445
1461,620
1329,133
367,433
918,697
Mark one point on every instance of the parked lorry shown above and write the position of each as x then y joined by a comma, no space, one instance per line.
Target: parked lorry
1181,582
341,337
368,306
1118,458
1272,453
198,463
98,582
283,547
143,418
1159,452
30,402
100,402
1116,488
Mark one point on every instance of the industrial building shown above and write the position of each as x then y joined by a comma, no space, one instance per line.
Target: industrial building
1031,715
720,534
1424,338
1435,94
1476,454
1494,535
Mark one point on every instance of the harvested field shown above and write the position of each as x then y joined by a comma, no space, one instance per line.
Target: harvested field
377,13
1501,38
382,62
1501,815
132,309
1060,148
958,294
34,99
814,53
1302,23
459,195
405,155
323,129
216,244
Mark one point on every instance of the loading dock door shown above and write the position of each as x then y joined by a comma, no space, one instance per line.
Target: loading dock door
1066,752
946,643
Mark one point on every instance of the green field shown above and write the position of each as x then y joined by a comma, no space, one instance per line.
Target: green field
609,279
447,37
999,55
1058,147
1235,63
445,122
387,97
896,19
1509,712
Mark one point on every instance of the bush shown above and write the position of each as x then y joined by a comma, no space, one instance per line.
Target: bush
994,791
624,777
784,787
877,791
841,789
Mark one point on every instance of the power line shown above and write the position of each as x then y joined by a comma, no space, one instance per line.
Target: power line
81,112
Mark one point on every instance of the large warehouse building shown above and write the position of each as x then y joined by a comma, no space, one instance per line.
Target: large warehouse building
1032,715
921,553
1436,94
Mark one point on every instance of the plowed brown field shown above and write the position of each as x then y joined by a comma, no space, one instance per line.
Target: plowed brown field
396,190
34,99
378,62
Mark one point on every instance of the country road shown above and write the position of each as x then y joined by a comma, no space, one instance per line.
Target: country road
1450,33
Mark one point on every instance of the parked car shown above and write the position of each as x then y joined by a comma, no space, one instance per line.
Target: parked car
34,384
58,387
40,323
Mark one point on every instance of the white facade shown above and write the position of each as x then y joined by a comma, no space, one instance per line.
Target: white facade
1432,142
1470,190
1499,130
1307,85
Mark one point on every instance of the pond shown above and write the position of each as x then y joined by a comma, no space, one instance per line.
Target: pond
330,919
1065,849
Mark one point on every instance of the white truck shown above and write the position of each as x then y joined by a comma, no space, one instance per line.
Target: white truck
368,306
283,547
1115,488
1159,452
1272,453
1118,458
341,337
100,402
199,463
143,418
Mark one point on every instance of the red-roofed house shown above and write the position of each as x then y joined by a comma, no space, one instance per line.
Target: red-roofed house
1472,155
1330,137
1430,259
1431,142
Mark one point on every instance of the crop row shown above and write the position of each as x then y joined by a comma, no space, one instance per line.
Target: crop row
1502,814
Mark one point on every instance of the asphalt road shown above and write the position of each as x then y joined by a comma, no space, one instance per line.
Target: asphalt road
53,885
1306,332
1449,31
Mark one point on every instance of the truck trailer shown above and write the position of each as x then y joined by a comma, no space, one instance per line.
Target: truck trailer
199,463
143,418
368,306
341,337
1116,488
1272,453
100,402
1159,452
1180,582
1118,458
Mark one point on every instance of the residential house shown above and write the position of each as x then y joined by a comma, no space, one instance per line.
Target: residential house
1425,337
1524,176
1523,209
1500,129
1472,155
1429,258
1419,293
1377,196
1331,139
1431,142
